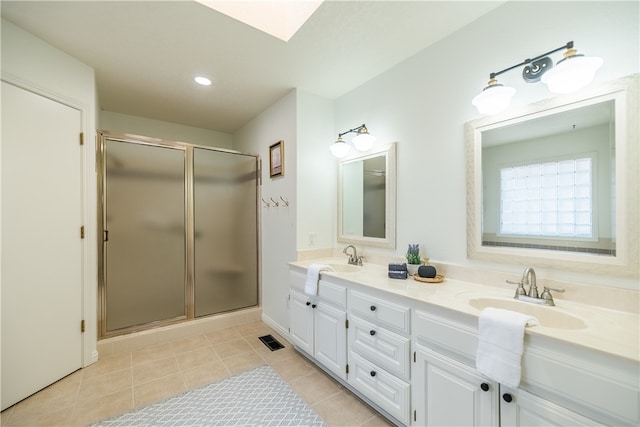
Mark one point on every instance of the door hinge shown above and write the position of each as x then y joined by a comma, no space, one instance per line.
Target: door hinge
347,368
259,172
414,357
81,138
82,232
82,326
346,324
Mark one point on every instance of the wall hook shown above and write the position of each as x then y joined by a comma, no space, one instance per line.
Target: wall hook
267,204
275,203
286,202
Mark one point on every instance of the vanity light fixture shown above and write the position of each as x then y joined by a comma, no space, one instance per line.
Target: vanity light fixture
570,74
363,141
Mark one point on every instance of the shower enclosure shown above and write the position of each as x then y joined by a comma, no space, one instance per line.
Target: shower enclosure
180,232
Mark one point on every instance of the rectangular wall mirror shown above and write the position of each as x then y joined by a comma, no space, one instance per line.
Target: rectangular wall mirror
554,181
367,199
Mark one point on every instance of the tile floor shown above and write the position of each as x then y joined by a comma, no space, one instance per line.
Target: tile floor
121,382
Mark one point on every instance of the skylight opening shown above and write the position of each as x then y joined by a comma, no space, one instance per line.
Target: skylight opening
281,19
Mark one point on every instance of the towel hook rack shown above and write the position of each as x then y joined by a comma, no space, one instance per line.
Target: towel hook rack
275,203
266,204
286,202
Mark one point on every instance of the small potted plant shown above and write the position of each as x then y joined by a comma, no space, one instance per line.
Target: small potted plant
413,258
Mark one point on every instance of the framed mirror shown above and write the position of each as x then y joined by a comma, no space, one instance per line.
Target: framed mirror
367,198
557,181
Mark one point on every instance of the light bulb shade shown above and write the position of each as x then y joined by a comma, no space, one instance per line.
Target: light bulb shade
493,98
339,148
363,141
572,73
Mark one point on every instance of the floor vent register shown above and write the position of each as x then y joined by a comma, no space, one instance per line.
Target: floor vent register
271,342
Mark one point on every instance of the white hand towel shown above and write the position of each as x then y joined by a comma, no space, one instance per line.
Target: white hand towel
500,344
313,276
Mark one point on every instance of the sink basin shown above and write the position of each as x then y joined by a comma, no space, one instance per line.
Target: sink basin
549,317
345,268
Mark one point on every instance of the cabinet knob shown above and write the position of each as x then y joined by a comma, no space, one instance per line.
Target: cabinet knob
373,308
484,387
372,333
308,303
507,397
314,305
373,373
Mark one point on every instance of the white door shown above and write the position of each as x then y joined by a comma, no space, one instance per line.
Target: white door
301,322
41,245
525,409
330,338
448,393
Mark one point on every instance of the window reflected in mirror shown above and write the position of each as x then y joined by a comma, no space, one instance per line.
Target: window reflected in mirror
549,183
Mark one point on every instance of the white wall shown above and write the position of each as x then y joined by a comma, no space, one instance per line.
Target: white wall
278,233
317,175
424,102
32,64
125,123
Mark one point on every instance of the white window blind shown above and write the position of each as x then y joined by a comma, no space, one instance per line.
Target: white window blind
552,199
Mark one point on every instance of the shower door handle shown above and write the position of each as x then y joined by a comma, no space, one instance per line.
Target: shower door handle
106,236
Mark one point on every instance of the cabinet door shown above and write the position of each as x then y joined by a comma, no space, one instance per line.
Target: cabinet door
330,338
519,408
301,322
447,393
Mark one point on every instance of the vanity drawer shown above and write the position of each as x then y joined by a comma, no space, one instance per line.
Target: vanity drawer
384,389
327,291
387,349
434,331
296,280
380,312
332,293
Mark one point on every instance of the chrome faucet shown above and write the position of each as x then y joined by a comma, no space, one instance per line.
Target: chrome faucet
529,279
353,259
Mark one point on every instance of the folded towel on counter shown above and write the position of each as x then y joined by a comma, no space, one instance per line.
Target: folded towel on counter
313,277
501,343
398,270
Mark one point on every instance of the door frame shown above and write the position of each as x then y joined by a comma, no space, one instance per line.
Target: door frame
88,198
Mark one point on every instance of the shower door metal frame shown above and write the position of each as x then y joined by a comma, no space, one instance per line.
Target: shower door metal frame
103,136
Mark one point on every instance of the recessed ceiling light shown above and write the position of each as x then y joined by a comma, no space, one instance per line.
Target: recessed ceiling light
202,80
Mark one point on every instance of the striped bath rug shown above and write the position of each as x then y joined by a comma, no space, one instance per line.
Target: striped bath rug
254,398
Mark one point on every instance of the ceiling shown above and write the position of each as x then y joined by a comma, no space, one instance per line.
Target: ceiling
146,53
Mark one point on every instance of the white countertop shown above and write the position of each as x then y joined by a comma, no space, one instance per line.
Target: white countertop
606,330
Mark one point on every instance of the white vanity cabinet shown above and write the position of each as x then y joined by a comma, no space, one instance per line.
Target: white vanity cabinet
446,389
560,386
379,352
448,393
519,408
318,323
414,361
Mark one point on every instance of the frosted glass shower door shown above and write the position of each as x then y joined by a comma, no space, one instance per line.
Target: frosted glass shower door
225,236
145,234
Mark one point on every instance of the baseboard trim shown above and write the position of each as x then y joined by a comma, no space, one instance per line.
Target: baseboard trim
276,327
